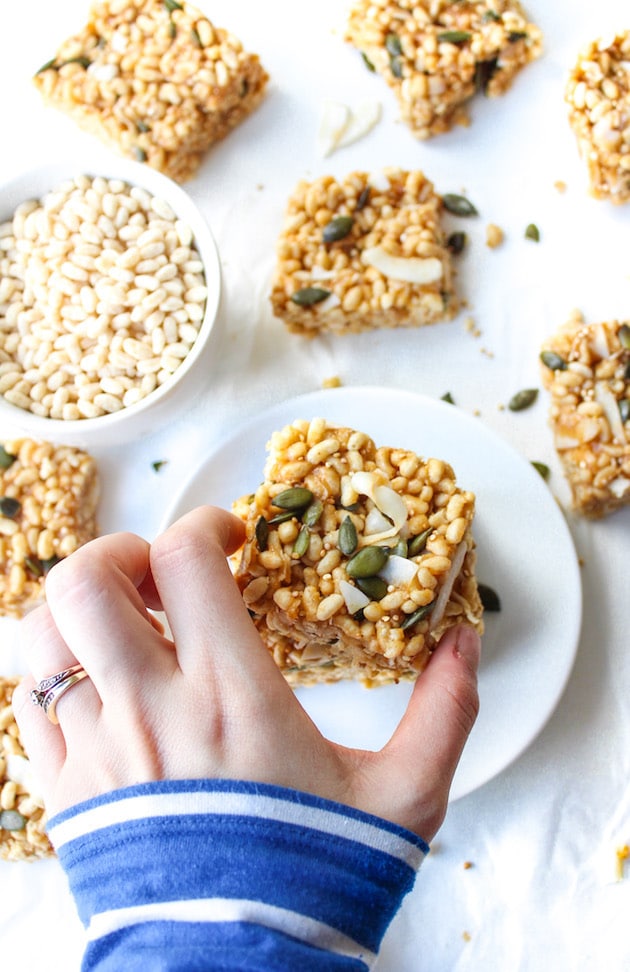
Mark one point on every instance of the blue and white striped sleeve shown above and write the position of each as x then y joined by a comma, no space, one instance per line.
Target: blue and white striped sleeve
231,875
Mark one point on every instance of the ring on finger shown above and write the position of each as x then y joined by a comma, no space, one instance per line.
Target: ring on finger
47,693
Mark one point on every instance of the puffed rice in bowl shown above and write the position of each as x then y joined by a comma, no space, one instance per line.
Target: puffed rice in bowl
109,290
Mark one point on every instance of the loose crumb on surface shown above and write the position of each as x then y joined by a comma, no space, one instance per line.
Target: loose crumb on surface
623,853
560,185
494,235
333,382
471,327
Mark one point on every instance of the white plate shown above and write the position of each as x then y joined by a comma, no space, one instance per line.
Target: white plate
525,552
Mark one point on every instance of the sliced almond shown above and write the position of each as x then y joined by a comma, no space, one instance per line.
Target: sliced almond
416,270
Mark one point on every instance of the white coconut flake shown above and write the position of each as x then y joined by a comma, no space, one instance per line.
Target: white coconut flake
619,486
355,599
445,592
609,403
362,120
375,522
416,270
333,123
398,571
379,181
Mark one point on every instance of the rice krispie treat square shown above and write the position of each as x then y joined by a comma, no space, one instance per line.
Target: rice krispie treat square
357,558
586,368
436,54
22,816
48,505
598,95
156,80
364,252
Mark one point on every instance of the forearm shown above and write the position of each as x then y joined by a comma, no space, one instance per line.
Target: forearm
230,875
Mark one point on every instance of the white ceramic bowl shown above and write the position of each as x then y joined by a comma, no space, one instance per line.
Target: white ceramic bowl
146,415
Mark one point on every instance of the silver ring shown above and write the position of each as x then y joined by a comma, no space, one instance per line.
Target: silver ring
47,693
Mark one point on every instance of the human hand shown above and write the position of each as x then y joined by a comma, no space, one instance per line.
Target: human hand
210,702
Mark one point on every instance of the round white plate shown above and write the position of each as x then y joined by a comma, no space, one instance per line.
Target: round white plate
525,552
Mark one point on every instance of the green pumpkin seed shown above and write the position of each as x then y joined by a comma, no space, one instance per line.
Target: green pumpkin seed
490,16
553,361
337,229
532,232
348,539
157,465
541,468
401,549
49,564
296,498
458,205
172,5
454,36
10,507
364,198
47,66
516,35
447,397
367,62
523,399
395,66
624,409
484,72
140,154
302,542
281,518
262,533
393,45
624,336
307,296
367,562
489,598
313,513
12,820
196,39
34,566
373,587
418,615
419,542
6,458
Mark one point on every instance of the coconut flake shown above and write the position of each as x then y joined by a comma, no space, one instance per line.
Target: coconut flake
449,581
608,402
362,120
334,121
416,270
599,342
355,599
566,442
386,500
619,486
375,522
398,571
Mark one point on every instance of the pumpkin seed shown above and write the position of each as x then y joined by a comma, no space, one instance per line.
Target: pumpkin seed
553,361
395,66
34,566
295,498
490,16
523,399
367,62
364,198
373,587
447,397
6,458
542,468
140,154
489,598
49,564
532,233
484,72
281,518
307,296
337,229
313,513
348,539
393,45
47,66
458,205
262,533
624,409
196,39
516,35
419,542
456,243
9,506
142,127
454,36
401,549
367,562
302,542
157,465
624,336
418,615
172,5
12,820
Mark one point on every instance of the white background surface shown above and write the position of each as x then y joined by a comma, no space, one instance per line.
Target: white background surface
542,891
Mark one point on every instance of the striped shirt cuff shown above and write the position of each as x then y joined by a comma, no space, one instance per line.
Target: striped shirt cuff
221,865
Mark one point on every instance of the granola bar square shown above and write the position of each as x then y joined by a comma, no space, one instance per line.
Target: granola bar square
22,815
598,95
156,80
357,557
366,251
437,55
48,508
586,369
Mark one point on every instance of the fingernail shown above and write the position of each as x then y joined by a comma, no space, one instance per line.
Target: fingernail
468,645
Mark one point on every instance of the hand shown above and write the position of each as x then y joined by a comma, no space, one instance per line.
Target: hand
210,701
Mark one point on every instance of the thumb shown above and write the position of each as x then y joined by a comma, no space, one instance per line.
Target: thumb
423,753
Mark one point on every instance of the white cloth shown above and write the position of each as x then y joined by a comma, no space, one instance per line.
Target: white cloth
542,836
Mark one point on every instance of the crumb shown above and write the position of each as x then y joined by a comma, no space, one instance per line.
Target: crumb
333,382
467,936
501,407
623,853
471,327
494,235
488,354
560,185
468,865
